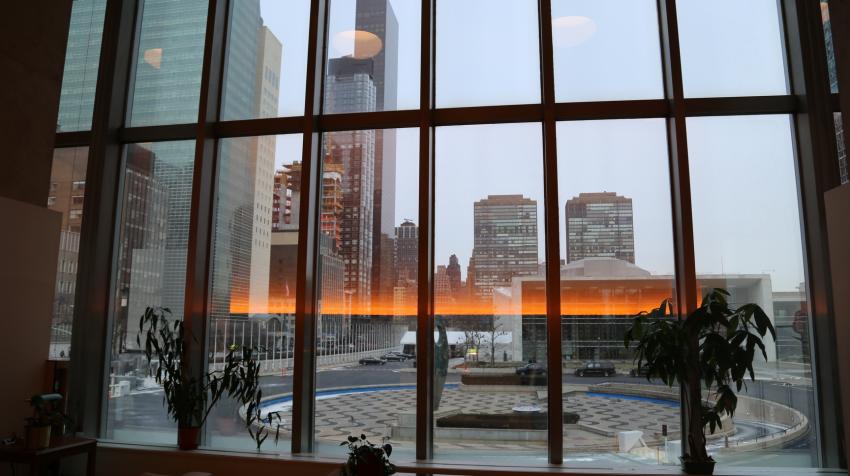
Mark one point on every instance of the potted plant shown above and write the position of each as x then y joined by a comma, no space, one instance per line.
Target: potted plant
45,421
189,398
712,349
366,458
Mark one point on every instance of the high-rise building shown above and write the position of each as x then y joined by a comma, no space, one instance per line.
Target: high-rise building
406,252
600,225
453,270
350,88
82,56
505,228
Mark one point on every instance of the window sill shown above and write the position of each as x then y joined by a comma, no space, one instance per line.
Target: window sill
326,465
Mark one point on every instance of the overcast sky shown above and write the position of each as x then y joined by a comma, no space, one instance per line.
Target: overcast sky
746,217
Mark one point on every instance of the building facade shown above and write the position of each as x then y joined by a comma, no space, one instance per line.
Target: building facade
600,225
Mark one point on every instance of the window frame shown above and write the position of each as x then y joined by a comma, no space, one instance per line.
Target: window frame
816,166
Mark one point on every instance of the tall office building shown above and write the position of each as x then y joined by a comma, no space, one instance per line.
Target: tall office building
453,270
600,225
505,242
406,253
377,17
350,87
82,57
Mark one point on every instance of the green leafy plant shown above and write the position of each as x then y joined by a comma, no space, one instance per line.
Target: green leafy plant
366,458
713,348
189,398
46,412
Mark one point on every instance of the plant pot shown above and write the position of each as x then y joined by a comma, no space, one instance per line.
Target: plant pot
187,438
38,437
698,466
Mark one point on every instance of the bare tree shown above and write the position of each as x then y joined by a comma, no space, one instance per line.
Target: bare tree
494,330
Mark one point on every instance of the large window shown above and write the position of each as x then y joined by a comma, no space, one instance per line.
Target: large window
549,188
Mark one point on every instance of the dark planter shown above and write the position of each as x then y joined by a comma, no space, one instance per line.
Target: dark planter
698,467
38,437
187,438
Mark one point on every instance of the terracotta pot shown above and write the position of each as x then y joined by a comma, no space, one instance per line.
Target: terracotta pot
187,438
38,437
698,467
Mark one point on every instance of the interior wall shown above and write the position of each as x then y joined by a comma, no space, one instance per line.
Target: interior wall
27,279
33,36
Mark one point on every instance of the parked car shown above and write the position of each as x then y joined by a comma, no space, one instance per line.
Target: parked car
372,361
393,357
639,372
596,368
532,368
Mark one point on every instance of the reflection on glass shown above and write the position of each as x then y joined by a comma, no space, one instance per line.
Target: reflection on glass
616,261
490,293
598,43
373,56
487,53
366,330
731,48
169,57
82,57
747,239
66,196
266,59
150,272
252,295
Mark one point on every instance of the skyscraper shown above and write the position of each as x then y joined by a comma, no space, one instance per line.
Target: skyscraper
81,64
600,225
406,252
453,270
505,228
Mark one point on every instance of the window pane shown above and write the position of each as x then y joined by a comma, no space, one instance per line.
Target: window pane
487,53
617,260
490,294
66,196
82,57
366,330
151,271
842,151
255,249
747,240
599,43
731,48
266,61
170,55
830,50
373,56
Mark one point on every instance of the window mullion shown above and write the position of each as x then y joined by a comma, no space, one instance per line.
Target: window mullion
680,186
94,297
307,280
203,190
425,271
552,238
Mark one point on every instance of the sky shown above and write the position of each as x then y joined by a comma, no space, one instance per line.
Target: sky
746,217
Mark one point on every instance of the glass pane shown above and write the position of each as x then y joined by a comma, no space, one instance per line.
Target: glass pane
266,63
731,48
617,260
830,50
490,371
487,53
373,56
255,249
842,151
747,240
82,57
170,55
599,42
153,234
67,196
366,330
